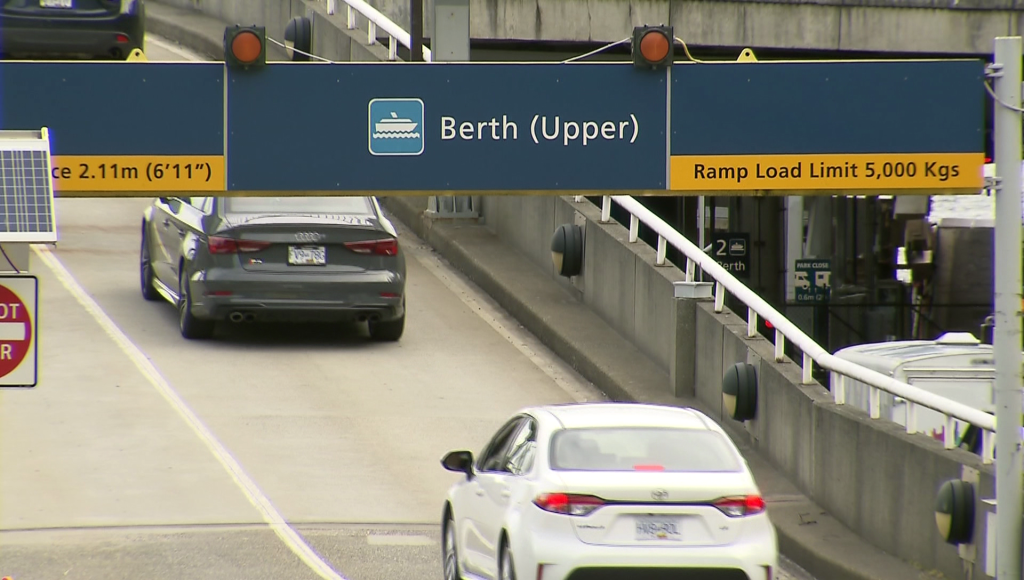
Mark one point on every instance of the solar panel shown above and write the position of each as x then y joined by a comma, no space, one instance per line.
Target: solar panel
27,213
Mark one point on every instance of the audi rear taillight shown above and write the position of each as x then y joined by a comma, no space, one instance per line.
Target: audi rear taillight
219,245
735,507
568,503
388,247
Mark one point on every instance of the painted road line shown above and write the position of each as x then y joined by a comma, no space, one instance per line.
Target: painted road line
398,540
257,498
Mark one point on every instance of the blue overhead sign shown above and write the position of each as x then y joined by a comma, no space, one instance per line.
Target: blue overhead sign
450,127
137,128
117,108
848,125
122,128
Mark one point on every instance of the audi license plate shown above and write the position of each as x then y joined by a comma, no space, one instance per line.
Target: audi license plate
655,529
307,255
68,4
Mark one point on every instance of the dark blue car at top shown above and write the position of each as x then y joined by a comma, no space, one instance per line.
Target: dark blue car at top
87,29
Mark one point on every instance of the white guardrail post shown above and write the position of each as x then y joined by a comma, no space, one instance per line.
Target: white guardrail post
375,22
811,351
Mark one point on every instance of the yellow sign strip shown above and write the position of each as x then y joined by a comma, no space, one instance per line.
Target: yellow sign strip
138,173
938,171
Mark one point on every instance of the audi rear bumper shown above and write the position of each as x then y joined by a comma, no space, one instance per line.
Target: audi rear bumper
347,297
71,37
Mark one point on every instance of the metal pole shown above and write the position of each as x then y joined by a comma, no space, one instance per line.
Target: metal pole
449,41
701,222
1007,336
416,31
794,241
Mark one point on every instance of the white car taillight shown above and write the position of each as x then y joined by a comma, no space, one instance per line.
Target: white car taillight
735,507
568,503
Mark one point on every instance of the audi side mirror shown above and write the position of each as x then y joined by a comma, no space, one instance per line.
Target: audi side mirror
459,462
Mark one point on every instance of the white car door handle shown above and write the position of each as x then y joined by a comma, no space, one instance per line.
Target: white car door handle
505,493
480,492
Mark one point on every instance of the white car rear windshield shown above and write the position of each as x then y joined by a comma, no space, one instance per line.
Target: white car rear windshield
643,449
315,205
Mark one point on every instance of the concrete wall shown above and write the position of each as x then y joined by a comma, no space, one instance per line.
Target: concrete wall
869,474
274,14
624,287
915,27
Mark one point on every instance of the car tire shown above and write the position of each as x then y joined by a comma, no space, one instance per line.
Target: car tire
146,275
506,568
450,552
387,330
190,326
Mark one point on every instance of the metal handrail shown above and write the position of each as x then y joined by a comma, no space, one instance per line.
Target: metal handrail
375,19
786,330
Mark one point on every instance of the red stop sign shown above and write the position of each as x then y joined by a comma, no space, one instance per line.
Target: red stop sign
15,331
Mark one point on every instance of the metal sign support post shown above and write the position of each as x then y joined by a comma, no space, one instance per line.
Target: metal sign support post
701,224
450,43
416,31
1006,76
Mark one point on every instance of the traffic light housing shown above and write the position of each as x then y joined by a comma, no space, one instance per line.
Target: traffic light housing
245,46
653,47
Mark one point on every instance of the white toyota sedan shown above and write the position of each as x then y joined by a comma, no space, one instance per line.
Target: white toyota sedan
606,490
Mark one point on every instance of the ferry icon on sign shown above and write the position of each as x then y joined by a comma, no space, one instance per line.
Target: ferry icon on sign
396,127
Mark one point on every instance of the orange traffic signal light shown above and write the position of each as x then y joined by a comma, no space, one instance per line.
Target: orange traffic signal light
245,45
653,46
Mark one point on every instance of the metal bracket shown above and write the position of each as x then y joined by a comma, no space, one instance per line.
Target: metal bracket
693,290
993,183
994,70
136,55
453,206
747,56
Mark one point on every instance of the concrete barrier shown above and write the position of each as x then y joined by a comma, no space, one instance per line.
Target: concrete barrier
869,474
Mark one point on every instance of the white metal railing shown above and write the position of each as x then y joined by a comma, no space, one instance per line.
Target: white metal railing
376,20
786,330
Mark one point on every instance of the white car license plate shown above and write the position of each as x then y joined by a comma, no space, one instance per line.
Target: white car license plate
657,529
57,3
307,255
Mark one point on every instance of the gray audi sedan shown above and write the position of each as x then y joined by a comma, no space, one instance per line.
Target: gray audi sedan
288,259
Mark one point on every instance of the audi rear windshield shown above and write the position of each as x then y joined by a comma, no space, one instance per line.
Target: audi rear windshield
313,205
642,449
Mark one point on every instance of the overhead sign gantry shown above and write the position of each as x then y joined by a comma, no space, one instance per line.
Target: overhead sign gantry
134,129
